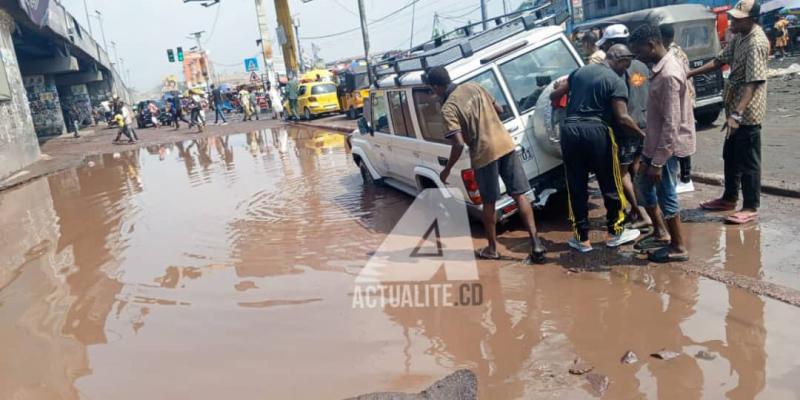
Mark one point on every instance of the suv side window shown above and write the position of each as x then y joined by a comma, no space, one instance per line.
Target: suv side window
401,116
380,116
489,82
429,115
528,74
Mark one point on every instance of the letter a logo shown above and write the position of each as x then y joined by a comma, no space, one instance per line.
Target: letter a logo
434,233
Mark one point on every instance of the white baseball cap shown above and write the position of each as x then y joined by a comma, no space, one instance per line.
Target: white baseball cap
616,31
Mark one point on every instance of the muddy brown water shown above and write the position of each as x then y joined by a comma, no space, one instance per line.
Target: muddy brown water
224,268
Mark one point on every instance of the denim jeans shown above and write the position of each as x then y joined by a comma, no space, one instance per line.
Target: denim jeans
662,194
218,113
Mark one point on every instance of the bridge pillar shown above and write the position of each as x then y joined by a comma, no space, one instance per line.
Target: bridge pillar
45,105
77,96
18,144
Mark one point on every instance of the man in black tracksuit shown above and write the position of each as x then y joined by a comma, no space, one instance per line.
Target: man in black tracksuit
597,101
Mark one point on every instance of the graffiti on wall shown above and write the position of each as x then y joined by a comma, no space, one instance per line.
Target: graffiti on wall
78,96
44,104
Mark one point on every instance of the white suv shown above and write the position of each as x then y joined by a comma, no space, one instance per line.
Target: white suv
400,141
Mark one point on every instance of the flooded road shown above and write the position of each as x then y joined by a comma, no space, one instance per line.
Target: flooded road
225,267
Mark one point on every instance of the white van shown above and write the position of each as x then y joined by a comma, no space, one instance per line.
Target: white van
401,143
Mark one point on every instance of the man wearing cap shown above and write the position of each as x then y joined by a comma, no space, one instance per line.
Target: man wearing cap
596,103
637,78
670,135
745,106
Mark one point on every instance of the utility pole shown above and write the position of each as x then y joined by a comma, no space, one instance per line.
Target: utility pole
266,45
364,32
296,24
413,15
505,7
88,21
484,23
285,26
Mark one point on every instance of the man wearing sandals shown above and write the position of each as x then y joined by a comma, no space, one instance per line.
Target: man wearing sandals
670,136
471,117
746,106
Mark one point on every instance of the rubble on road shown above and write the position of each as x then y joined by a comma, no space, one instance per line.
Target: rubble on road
665,354
788,72
629,358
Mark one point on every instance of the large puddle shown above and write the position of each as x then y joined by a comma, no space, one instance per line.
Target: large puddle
224,268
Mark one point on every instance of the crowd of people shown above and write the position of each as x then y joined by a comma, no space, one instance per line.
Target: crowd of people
630,122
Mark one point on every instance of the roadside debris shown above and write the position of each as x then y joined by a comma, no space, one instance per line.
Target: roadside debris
775,72
665,354
704,355
599,382
580,367
629,358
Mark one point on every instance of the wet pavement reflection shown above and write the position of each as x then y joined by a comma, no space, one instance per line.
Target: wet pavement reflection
223,267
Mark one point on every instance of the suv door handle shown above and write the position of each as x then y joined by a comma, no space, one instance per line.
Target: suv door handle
513,128
442,161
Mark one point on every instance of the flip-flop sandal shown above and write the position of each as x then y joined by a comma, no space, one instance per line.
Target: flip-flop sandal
741,217
484,254
718,205
664,256
650,243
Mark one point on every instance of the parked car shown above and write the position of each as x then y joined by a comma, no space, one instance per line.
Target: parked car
317,98
143,118
401,141
695,31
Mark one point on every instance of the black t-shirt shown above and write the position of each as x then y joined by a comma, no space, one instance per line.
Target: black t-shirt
637,77
591,89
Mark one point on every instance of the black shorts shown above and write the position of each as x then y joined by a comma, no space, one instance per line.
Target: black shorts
628,147
508,167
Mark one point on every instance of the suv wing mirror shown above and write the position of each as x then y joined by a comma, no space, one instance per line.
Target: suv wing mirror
363,127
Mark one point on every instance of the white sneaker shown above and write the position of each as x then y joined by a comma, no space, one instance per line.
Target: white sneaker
575,244
627,236
684,187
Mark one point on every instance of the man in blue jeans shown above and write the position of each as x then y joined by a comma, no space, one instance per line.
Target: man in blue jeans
216,96
670,136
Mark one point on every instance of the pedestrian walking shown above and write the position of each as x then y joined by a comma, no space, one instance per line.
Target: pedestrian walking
152,108
194,109
216,99
256,108
471,118
597,103
670,136
177,112
781,36
292,89
685,184
119,119
71,119
127,114
277,103
244,101
745,107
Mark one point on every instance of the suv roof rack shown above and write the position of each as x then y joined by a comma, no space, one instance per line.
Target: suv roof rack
464,43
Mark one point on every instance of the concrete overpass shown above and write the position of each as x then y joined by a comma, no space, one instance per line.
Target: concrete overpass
48,62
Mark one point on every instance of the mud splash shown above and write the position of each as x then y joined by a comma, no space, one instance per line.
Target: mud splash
224,268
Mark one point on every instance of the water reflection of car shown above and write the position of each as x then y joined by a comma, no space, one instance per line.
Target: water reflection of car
317,98
323,142
695,32
401,140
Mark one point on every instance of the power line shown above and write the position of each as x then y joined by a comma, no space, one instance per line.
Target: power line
385,17
213,26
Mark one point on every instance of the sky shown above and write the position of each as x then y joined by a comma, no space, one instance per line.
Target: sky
144,29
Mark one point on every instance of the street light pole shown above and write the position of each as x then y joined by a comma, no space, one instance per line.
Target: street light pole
102,29
299,49
114,47
365,34
88,20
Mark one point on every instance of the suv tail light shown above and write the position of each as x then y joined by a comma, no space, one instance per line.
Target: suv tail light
312,99
471,184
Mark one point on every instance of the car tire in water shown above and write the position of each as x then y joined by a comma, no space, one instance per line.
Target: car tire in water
366,176
307,114
352,113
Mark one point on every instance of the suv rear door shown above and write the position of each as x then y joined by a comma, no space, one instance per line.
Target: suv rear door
403,152
526,73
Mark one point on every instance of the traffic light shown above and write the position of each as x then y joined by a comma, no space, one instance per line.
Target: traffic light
170,55
180,53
